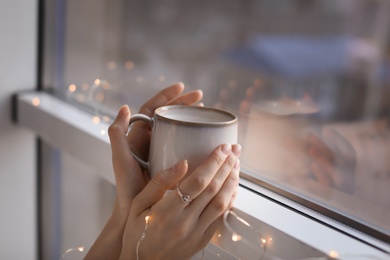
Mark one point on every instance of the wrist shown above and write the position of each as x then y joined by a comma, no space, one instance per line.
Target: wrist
119,215
109,242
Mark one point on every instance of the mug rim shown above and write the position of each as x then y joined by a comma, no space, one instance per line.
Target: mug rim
176,121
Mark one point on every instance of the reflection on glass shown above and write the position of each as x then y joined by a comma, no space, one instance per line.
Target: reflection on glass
309,81
248,242
75,253
257,240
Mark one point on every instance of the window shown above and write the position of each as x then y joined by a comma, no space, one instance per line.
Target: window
309,81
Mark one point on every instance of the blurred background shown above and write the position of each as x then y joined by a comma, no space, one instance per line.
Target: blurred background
309,80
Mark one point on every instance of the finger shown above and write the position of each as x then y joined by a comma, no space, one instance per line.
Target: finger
321,175
189,98
323,162
201,177
139,135
162,98
321,147
345,160
121,156
234,197
159,184
230,166
340,144
221,201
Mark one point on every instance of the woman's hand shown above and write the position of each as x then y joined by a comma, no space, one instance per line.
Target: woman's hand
129,177
177,229
333,160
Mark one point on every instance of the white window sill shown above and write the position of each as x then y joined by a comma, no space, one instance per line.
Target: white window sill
72,130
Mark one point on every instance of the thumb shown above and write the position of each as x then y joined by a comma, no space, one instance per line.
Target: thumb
127,183
158,185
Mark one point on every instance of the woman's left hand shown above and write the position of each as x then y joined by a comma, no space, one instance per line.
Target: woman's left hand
130,178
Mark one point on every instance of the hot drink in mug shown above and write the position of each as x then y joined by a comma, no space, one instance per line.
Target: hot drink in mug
185,133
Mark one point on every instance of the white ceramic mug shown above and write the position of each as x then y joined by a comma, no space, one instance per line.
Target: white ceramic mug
189,133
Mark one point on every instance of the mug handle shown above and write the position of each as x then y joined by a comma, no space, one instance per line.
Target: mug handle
150,121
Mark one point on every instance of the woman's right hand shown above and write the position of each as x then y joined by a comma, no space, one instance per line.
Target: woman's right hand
177,229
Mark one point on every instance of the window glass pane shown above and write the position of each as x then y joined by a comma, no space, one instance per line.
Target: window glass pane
309,81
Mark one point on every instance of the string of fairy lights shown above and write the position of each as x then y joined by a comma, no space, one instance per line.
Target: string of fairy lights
259,244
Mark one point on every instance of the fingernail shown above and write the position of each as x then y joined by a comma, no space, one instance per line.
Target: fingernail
179,166
174,170
236,148
123,111
226,148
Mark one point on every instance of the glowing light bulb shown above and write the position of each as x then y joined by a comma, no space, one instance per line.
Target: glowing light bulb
129,65
236,237
99,97
72,88
219,235
96,120
81,249
263,241
106,119
333,254
105,85
102,132
36,101
97,81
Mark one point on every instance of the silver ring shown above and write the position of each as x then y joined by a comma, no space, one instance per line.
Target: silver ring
184,198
